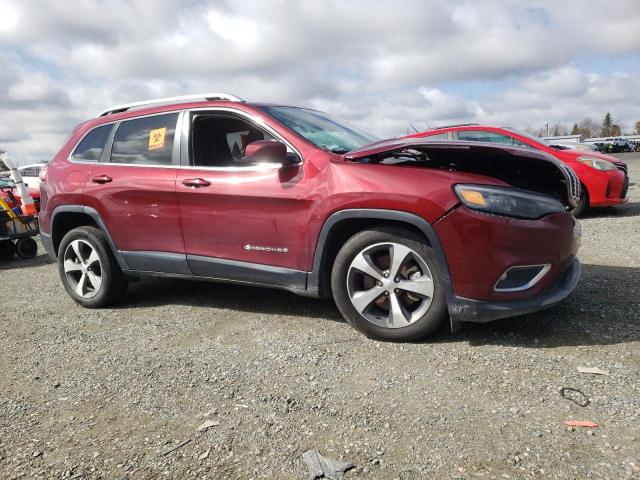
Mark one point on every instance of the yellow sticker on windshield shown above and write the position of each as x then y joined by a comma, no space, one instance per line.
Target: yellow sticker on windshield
156,138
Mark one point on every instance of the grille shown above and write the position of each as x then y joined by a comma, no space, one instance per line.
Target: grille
625,185
573,185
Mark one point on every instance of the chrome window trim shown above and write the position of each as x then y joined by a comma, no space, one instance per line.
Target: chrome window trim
251,118
116,122
180,128
545,269
251,168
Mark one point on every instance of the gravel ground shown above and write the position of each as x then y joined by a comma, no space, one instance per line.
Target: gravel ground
107,393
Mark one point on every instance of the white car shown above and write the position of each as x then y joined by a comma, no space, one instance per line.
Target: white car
31,174
587,147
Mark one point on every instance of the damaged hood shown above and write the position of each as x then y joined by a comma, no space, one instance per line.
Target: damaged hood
522,168
398,144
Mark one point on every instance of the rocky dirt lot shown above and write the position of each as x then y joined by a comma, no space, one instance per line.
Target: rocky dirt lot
108,393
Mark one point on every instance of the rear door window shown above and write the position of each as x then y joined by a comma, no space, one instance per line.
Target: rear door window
90,148
145,141
482,136
518,143
439,136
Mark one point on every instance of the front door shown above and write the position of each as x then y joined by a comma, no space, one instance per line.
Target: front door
241,221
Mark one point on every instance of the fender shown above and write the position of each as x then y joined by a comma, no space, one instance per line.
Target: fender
379,214
91,212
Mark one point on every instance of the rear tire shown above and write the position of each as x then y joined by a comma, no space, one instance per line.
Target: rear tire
88,269
583,204
7,250
386,284
26,248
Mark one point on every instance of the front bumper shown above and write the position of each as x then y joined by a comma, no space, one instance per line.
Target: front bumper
466,310
608,188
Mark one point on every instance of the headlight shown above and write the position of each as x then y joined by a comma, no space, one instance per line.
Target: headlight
597,163
507,201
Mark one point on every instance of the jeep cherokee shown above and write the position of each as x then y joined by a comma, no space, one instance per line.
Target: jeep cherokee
402,233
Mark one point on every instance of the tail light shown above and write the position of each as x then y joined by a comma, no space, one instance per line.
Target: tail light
43,173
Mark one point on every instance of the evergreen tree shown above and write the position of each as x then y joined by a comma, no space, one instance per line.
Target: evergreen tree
607,122
574,130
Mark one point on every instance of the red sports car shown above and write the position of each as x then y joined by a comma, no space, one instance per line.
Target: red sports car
604,178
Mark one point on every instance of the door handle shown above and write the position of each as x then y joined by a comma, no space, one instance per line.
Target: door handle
102,179
195,182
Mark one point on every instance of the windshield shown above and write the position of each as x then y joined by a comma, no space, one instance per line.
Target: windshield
7,182
324,131
530,137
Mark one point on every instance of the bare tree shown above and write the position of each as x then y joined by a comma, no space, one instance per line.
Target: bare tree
558,130
588,127
536,132
638,127
615,130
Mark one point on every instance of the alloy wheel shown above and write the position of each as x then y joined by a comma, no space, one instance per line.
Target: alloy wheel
83,269
390,285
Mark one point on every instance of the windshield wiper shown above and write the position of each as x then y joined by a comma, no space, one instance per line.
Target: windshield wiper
338,150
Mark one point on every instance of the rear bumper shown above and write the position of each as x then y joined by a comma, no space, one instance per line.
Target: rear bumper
466,310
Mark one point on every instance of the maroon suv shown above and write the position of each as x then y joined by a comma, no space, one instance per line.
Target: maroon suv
401,233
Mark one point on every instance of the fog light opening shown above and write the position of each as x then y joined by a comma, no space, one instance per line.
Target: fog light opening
521,277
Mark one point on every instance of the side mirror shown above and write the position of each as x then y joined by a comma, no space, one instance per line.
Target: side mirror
266,151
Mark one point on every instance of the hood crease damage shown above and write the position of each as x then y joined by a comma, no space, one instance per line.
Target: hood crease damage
519,167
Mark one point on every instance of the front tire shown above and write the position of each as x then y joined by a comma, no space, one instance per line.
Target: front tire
583,204
386,284
88,269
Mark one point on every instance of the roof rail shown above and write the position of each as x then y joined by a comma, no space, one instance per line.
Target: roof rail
170,100
455,125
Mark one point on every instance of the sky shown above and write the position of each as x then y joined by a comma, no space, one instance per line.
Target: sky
380,64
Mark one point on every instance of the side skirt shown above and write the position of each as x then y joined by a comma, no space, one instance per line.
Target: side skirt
164,264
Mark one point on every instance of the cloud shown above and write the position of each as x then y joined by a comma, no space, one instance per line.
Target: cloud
382,66
566,95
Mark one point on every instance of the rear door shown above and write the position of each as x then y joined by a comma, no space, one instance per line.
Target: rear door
133,190
239,219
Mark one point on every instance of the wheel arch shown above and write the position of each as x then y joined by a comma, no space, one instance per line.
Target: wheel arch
67,217
586,190
343,224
